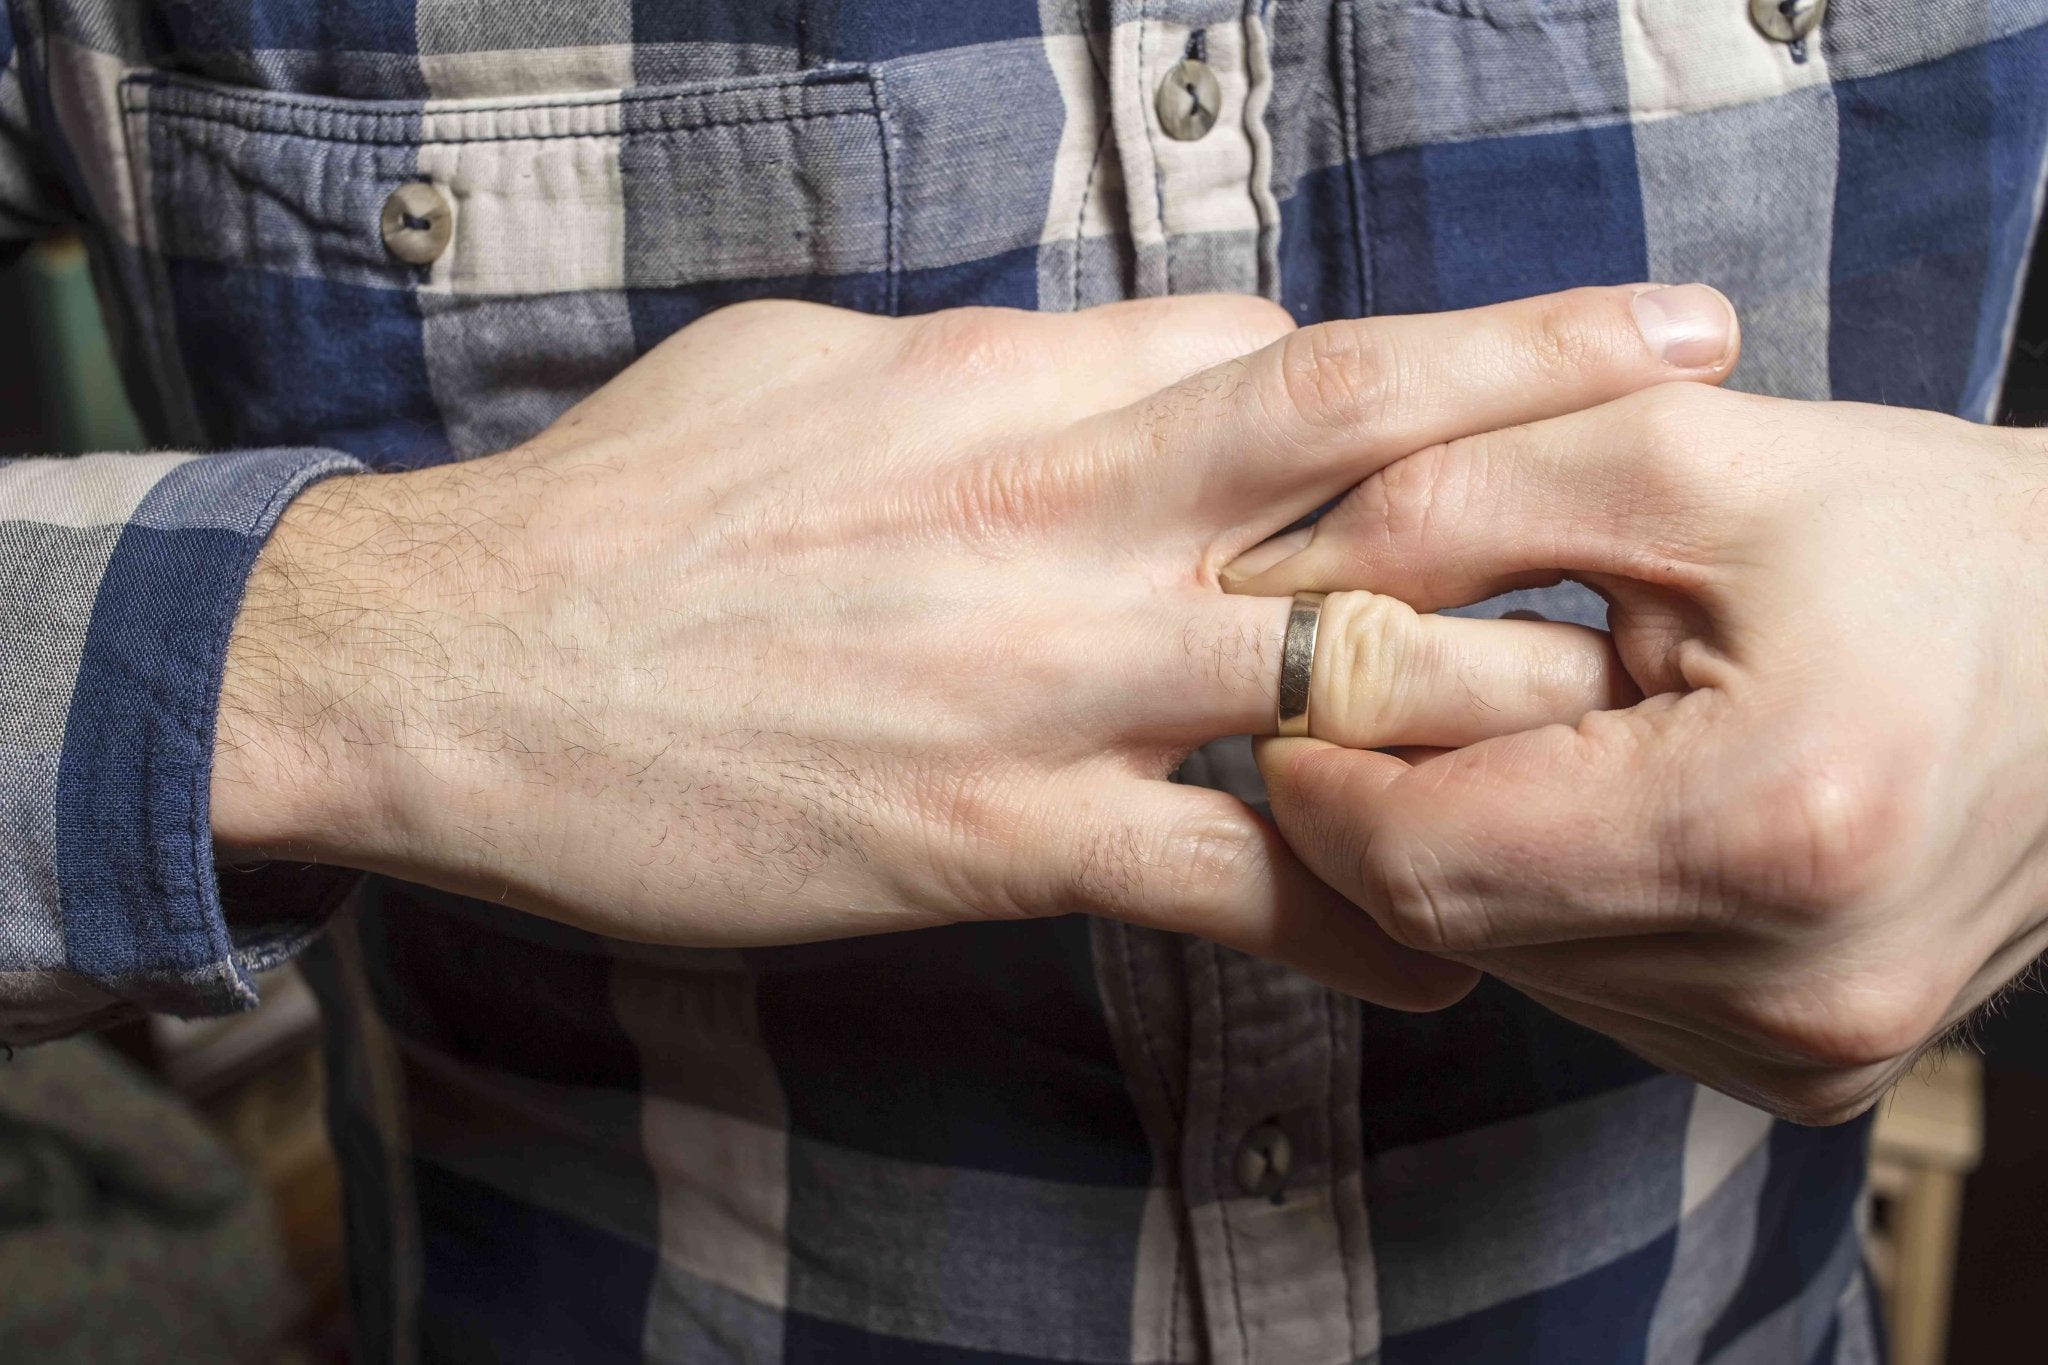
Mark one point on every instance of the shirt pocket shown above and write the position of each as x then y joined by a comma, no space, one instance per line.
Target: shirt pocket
583,228
1441,71
1516,147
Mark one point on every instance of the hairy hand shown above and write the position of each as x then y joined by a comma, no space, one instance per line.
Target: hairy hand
814,624
1823,839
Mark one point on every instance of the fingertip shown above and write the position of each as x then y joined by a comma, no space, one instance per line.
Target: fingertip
1349,952
1319,769
1262,559
1398,978
1433,983
1278,759
1688,326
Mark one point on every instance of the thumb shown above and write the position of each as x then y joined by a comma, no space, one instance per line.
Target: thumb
1323,796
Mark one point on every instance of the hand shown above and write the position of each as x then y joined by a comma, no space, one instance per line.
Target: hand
814,624
1824,838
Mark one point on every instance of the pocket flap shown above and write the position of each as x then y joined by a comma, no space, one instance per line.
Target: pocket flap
755,178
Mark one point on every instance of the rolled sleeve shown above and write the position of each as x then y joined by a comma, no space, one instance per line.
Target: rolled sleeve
120,578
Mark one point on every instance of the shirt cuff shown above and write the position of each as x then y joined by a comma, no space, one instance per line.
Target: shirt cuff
154,552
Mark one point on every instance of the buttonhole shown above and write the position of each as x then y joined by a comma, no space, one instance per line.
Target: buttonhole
1797,48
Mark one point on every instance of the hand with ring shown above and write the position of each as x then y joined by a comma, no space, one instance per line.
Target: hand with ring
1822,840
893,623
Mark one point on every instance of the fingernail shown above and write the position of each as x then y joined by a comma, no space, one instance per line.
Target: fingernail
1265,555
1689,325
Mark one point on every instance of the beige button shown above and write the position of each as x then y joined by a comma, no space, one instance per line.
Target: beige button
1264,1159
1189,100
1786,21
417,223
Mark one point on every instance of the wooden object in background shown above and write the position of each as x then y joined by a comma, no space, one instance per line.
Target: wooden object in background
1929,1136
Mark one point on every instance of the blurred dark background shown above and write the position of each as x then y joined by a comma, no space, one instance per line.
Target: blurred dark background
2002,1265
1979,1261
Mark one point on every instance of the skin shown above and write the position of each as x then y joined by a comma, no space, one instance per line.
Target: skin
814,624
1822,840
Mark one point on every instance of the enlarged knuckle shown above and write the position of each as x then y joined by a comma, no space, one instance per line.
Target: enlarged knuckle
1672,428
963,343
1844,1023
1817,841
1339,375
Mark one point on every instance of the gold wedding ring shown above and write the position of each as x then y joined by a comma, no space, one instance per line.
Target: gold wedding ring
1298,662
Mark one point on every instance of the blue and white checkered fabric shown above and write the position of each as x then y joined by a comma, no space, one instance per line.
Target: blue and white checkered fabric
1012,1142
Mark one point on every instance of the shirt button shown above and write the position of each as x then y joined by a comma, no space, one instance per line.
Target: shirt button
1189,100
1786,21
1264,1159
416,223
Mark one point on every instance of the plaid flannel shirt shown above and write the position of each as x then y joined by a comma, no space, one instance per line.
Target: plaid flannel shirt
1059,1141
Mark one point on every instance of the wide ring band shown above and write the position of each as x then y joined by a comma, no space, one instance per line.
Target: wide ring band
1298,663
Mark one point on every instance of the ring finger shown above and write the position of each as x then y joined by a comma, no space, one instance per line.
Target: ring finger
1384,675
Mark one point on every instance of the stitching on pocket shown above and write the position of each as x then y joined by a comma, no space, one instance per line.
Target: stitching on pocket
845,93
1502,14
215,119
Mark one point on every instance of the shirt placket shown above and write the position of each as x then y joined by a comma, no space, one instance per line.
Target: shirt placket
1189,83
1247,1075
1270,1165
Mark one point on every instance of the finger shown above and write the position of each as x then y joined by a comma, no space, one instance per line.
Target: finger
1387,675
1044,370
1551,835
1141,346
1737,996
1629,488
1383,674
1263,440
1860,993
1818,1096
1201,862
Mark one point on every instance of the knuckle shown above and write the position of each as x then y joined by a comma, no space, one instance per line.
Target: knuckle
768,313
1562,335
1412,905
1826,1100
1251,320
997,499
1817,842
1411,497
963,342
1338,375
1849,1024
1197,860
1671,423
1207,858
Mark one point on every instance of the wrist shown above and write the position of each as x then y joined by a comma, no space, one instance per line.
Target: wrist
312,695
